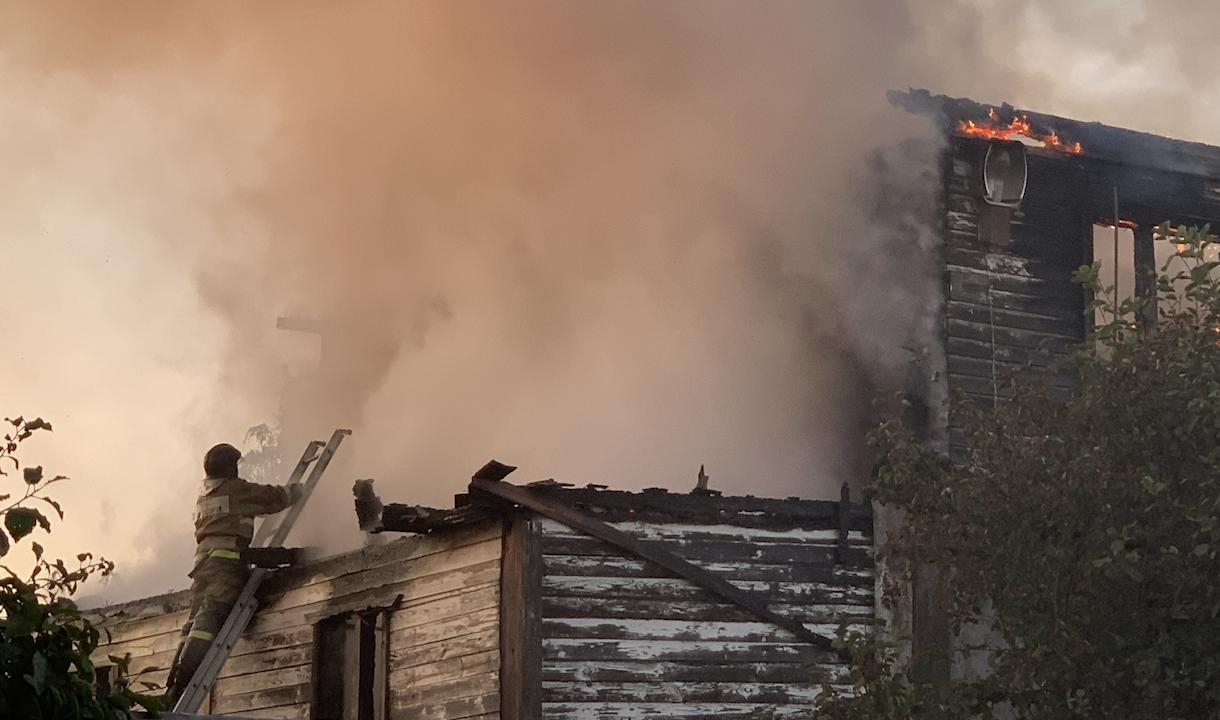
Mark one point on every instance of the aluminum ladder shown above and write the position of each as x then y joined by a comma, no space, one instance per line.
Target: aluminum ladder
270,534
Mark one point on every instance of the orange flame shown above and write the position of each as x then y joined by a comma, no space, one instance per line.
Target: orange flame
993,129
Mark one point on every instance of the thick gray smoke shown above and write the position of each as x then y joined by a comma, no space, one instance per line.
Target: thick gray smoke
608,242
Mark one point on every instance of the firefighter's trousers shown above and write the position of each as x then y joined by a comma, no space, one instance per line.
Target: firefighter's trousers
216,583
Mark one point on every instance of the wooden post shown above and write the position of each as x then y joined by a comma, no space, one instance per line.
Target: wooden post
521,620
844,523
1145,274
353,676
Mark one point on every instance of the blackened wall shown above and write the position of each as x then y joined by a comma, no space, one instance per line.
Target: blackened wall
1010,302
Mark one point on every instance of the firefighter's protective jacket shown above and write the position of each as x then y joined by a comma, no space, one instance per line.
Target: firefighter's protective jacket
225,512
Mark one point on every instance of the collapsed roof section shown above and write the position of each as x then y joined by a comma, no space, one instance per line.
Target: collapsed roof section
700,506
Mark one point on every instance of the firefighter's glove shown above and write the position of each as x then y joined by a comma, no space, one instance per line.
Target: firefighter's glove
296,491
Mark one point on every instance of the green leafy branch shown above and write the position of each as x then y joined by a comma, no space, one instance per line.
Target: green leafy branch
46,644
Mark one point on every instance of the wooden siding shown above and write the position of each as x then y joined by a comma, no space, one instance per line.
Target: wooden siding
1010,302
443,636
623,639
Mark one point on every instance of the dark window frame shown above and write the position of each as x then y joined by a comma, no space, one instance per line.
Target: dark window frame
349,678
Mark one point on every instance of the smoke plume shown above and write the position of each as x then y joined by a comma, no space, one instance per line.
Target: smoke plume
607,242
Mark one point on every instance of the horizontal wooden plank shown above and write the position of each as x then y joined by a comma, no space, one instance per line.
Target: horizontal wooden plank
479,640
147,663
963,202
682,692
811,553
973,288
371,557
671,711
250,702
1061,290
1027,339
667,531
265,680
427,611
671,609
963,185
143,647
438,693
146,627
454,709
1068,326
1014,356
448,668
597,671
658,507
443,581
282,638
285,712
985,370
697,630
675,589
979,390
361,581
404,639
682,651
137,610
1000,263
421,608
966,223
270,659
578,565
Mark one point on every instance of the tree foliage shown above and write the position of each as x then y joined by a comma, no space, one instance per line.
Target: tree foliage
46,671
1084,525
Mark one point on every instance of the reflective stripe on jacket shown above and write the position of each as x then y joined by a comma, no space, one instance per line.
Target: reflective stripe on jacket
225,512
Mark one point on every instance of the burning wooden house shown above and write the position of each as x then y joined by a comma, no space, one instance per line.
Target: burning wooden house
545,601
1025,199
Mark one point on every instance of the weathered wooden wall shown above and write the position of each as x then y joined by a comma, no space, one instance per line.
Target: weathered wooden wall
1010,301
622,639
443,637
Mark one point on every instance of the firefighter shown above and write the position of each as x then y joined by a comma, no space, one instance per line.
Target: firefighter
224,527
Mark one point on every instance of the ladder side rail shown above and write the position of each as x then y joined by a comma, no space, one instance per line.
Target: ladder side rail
311,453
290,517
214,662
222,645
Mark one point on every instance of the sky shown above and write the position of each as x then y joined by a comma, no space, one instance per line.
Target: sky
607,242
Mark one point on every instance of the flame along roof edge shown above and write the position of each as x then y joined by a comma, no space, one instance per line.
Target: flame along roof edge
1100,142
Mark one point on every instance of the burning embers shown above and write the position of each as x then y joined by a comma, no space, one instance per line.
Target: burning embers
1017,129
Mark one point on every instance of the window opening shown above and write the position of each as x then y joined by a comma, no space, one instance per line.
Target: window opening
1117,260
350,658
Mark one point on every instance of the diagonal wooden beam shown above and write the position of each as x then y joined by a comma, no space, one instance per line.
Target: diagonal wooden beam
709,581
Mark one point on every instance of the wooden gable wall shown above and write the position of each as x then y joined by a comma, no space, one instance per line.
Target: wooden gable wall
621,638
443,635
1010,302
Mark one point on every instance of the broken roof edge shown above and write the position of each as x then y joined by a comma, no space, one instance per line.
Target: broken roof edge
654,505
1102,142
